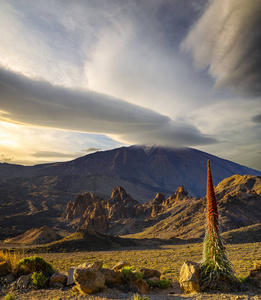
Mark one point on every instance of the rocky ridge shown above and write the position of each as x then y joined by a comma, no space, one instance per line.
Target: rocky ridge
33,196
35,236
181,216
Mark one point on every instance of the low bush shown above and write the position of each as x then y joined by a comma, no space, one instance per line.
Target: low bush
139,297
12,258
151,283
126,272
33,264
163,283
10,296
139,275
38,280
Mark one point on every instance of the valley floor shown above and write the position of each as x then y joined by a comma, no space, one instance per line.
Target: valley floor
168,259
113,294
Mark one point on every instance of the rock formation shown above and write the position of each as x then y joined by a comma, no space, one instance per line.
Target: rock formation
120,214
35,236
180,216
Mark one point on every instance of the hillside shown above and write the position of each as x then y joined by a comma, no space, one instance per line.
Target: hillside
35,236
239,203
33,196
143,171
179,216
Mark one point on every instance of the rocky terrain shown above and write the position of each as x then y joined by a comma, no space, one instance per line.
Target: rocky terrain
179,216
34,196
35,236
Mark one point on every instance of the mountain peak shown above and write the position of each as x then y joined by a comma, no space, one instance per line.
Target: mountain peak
119,192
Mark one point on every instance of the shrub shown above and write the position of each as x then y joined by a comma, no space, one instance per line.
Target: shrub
38,279
151,283
163,283
10,296
126,272
12,259
35,264
139,275
139,297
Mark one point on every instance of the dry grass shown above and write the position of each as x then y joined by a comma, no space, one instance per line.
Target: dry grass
12,258
168,259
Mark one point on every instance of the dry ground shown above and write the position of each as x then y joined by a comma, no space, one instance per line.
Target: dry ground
168,259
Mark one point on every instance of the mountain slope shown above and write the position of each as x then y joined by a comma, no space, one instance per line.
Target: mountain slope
239,204
179,216
143,171
37,195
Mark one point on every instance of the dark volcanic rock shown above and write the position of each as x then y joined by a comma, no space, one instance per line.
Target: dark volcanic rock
96,214
32,196
120,214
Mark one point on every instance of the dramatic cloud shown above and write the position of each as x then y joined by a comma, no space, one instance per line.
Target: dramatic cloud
231,120
44,154
103,74
227,39
30,145
39,103
89,150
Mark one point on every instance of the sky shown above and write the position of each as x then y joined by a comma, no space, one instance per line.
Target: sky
87,75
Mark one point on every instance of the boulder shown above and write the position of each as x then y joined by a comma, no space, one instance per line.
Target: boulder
8,279
4,268
141,286
96,265
112,278
120,265
189,277
88,280
70,279
23,281
149,273
58,280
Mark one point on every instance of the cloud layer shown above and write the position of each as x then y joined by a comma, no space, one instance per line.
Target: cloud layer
96,74
40,103
227,40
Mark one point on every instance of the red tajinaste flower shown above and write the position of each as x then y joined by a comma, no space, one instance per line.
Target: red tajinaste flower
215,268
212,209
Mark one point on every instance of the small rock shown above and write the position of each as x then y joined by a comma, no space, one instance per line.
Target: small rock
189,277
112,278
70,279
154,279
141,286
97,265
58,280
89,280
4,268
149,273
23,281
132,278
120,265
9,278
83,266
